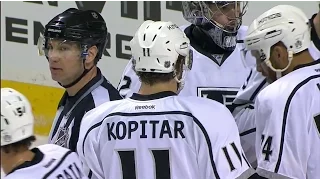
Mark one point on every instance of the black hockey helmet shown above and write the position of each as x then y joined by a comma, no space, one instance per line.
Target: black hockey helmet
85,27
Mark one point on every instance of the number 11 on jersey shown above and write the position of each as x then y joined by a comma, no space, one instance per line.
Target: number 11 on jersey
235,149
161,161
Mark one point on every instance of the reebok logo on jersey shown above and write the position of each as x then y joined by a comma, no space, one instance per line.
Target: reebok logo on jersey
145,107
50,163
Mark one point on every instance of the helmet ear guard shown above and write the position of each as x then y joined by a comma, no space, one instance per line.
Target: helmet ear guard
182,48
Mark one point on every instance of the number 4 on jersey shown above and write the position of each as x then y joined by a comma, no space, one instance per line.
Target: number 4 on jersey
266,149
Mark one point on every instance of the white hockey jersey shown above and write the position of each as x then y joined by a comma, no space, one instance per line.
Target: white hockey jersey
244,102
256,82
288,125
50,162
162,136
207,78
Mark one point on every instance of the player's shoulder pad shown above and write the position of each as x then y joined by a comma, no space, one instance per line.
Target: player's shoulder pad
204,102
97,114
200,106
270,92
276,93
209,112
284,87
48,148
105,108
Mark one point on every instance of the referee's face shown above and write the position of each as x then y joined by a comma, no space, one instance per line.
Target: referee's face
64,61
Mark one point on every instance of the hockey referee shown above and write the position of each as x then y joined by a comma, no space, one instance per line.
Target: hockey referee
73,42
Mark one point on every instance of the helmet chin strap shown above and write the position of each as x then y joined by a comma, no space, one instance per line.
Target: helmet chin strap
279,71
78,79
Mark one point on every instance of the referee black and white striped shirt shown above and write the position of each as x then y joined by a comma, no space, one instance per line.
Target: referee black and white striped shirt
71,109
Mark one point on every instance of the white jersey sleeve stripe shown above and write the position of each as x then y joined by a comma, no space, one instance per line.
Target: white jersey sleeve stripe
245,158
58,164
161,113
285,115
90,129
255,93
90,174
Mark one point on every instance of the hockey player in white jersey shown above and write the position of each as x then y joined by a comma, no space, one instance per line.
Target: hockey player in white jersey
287,113
215,36
244,101
17,160
220,65
155,133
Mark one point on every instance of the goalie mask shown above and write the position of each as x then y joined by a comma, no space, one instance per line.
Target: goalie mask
220,20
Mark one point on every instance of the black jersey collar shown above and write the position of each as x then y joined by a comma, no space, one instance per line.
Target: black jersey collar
159,95
306,65
38,156
83,90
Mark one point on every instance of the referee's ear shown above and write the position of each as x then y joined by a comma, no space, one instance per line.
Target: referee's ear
90,58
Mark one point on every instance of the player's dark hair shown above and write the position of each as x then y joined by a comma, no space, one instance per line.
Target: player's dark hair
150,78
18,145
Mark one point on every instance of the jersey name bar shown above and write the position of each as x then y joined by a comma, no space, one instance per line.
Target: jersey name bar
124,130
